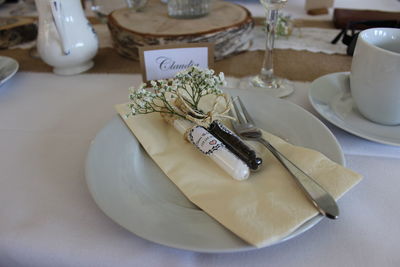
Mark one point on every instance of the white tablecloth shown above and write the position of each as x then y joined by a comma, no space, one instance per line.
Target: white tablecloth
48,218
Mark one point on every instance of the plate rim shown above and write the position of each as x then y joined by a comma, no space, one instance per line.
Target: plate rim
13,72
343,125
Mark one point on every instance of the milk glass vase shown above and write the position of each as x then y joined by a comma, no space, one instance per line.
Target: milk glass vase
188,9
66,40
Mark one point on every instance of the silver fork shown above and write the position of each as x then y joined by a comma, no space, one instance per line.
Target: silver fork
245,127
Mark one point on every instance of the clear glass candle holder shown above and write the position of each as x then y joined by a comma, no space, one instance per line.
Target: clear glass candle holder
188,9
266,79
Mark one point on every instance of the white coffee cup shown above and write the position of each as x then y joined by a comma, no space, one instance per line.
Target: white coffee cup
375,75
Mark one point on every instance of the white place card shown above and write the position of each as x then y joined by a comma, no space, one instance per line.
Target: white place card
163,62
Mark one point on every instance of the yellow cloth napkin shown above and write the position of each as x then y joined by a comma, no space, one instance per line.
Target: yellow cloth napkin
261,210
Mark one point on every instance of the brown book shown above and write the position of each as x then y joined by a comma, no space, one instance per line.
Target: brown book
342,16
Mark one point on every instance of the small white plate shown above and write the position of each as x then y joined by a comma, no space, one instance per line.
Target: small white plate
130,188
330,96
8,67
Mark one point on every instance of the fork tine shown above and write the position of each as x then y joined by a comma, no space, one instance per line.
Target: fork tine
237,111
242,110
232,113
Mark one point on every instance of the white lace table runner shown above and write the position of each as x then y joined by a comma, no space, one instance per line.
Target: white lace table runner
308,39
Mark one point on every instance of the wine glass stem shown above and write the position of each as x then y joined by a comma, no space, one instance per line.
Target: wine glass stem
267,69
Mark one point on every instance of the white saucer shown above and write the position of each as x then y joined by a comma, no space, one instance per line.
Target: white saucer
331,97
8,67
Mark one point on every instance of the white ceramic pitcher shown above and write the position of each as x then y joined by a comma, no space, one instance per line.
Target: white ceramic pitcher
66,39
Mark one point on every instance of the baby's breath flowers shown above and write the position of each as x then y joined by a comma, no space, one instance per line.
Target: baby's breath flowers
189,86
284,26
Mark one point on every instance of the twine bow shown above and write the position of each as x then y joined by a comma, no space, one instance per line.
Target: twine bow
197,117
201,118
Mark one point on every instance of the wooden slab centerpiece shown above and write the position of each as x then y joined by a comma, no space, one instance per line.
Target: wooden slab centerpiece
228,26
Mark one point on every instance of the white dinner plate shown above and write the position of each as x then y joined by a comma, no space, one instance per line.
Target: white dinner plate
129,187
8,67
330,95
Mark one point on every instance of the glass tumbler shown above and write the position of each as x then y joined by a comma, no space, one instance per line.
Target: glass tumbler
102,8
188,9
